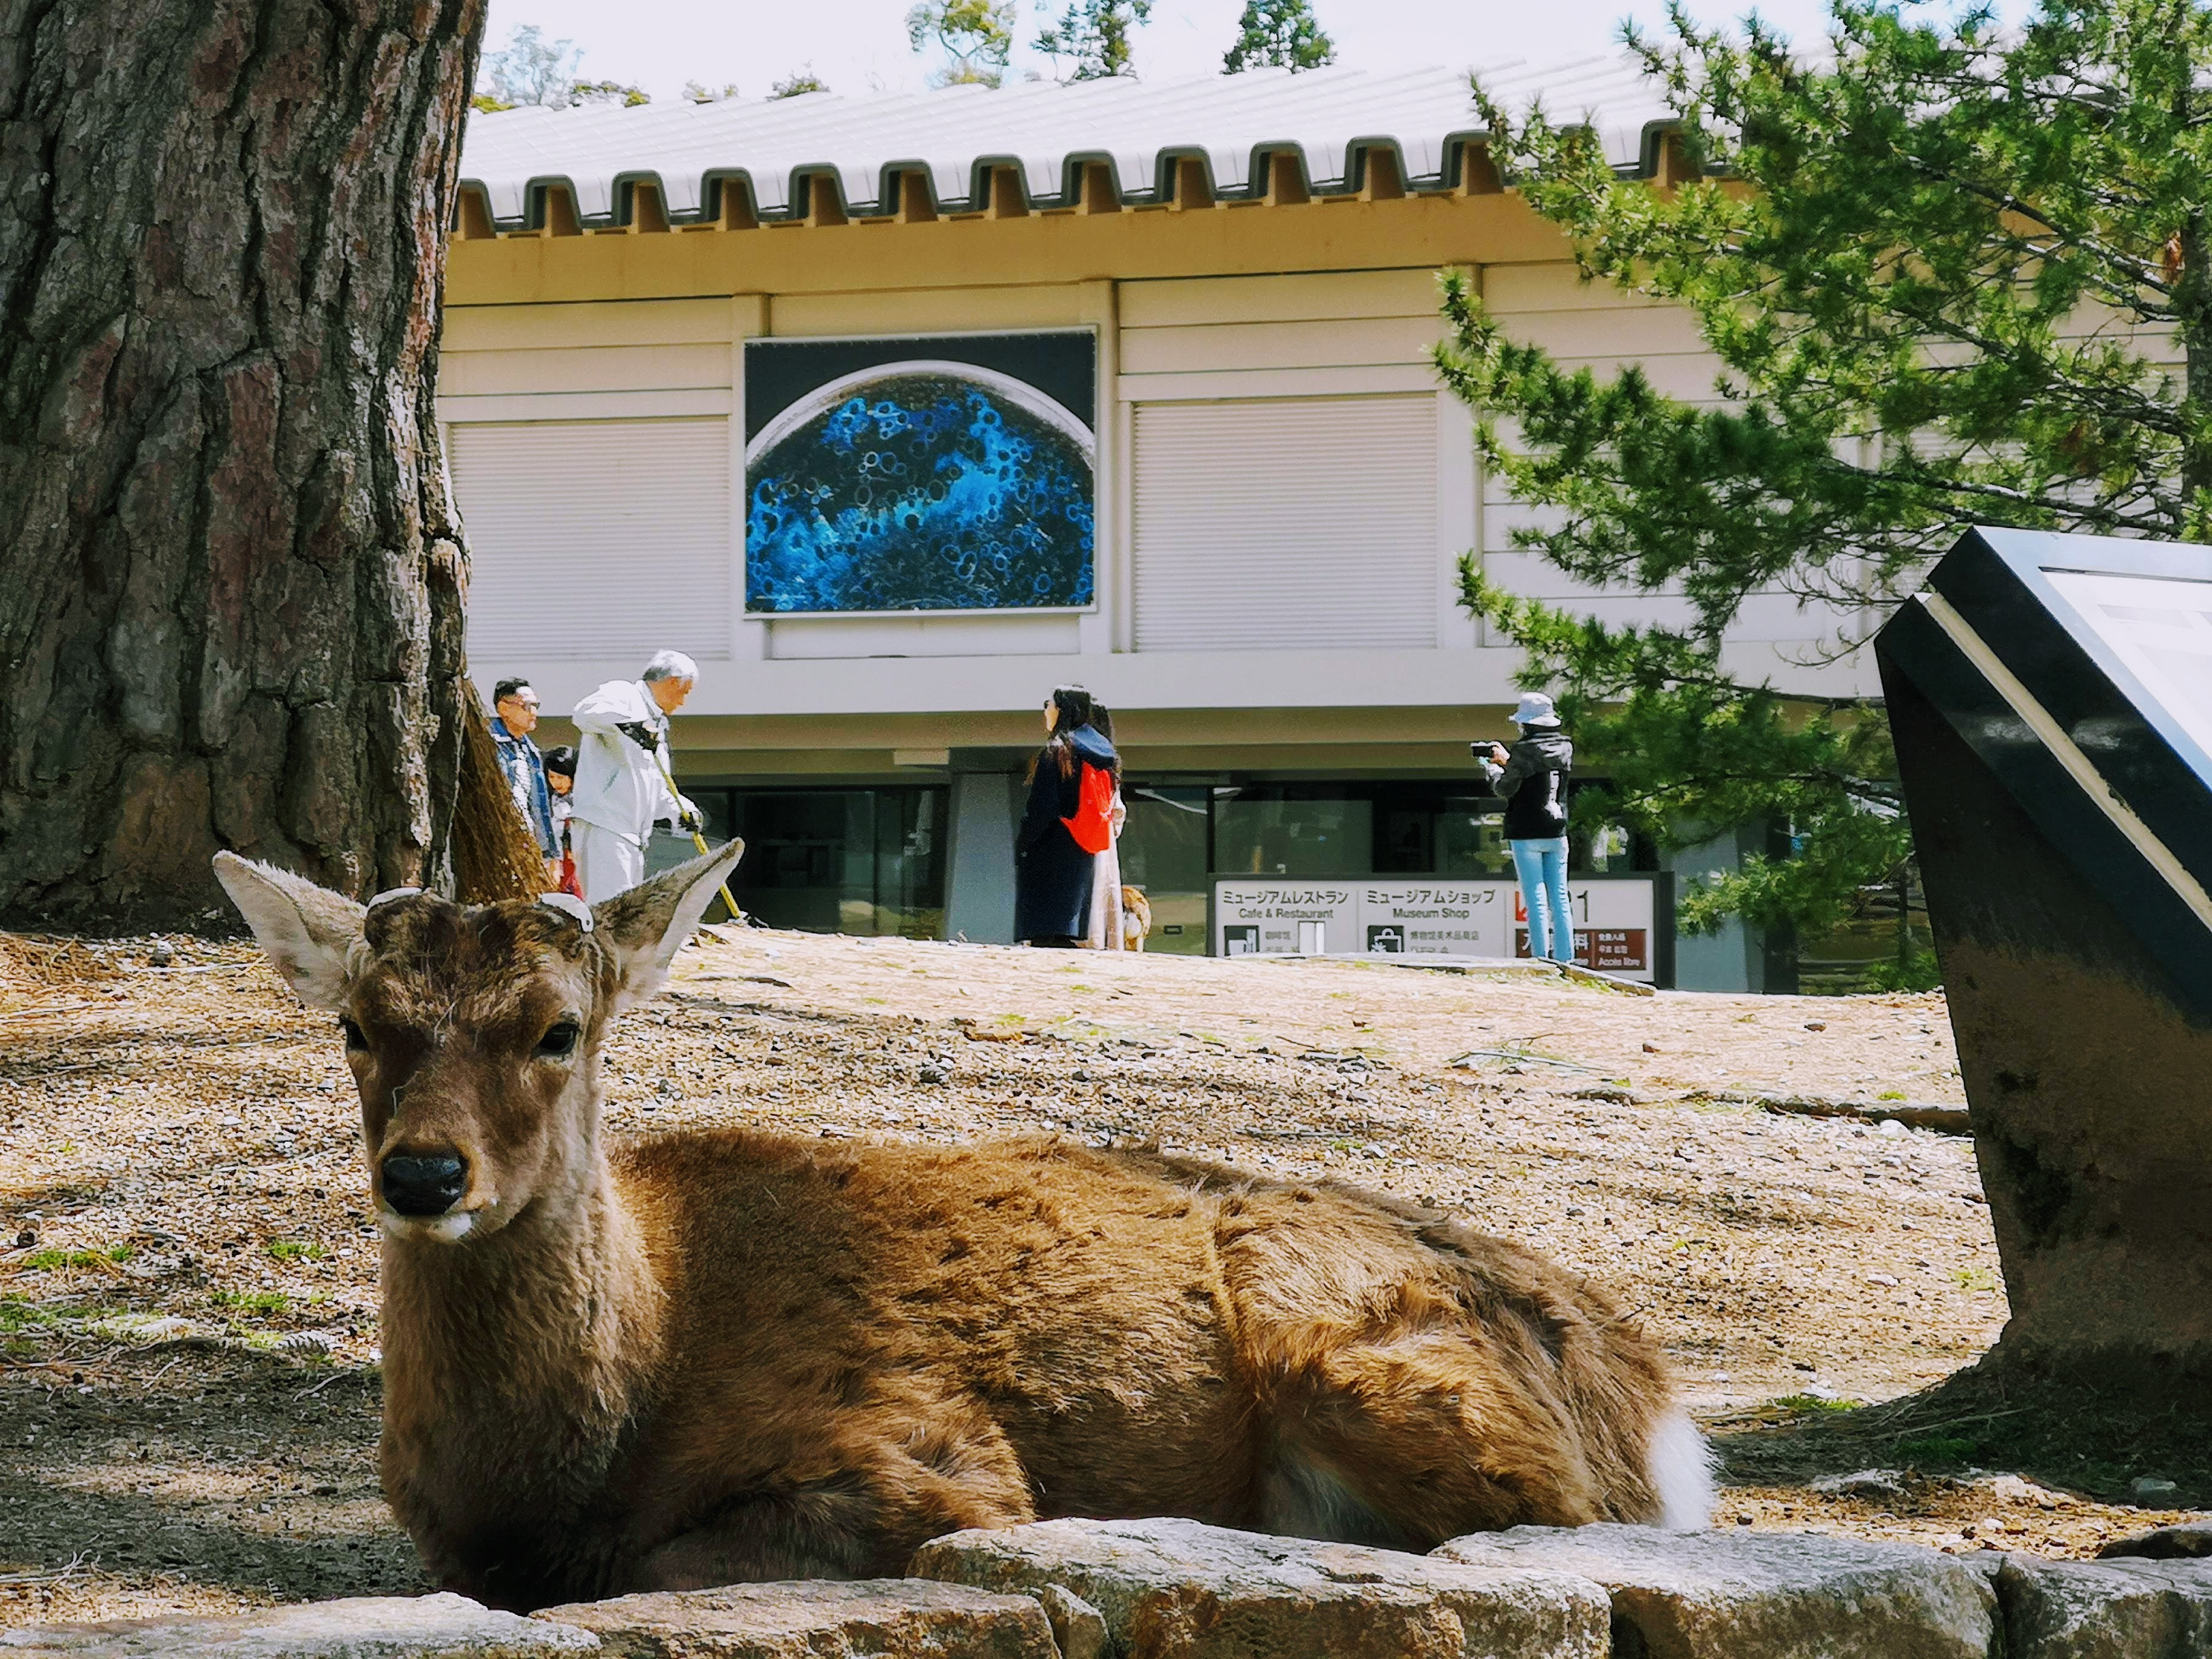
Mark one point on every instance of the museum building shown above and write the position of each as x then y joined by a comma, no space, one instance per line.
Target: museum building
895,411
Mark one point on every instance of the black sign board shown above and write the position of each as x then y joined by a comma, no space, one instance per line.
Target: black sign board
2052,701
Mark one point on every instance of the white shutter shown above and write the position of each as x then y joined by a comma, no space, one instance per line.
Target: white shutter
596,538
1285,522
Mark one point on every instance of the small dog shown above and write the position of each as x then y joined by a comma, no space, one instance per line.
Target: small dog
1136,919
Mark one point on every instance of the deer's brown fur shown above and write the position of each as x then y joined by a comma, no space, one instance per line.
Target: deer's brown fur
704,1357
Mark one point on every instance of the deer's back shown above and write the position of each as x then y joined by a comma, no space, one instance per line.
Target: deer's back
1106,1333
1072,1299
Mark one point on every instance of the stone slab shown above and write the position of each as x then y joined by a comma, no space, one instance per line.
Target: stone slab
1178,1589
1079,1627
883,1617
2127,1608
441,1627
1760,1595
2184,1540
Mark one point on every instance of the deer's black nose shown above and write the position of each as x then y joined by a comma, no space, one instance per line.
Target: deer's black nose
423,1186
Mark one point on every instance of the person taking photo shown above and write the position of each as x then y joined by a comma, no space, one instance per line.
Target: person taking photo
1531,776
624,774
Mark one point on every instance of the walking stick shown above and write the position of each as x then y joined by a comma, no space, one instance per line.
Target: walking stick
697,839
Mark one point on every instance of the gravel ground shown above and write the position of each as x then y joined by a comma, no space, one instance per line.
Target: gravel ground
188,1319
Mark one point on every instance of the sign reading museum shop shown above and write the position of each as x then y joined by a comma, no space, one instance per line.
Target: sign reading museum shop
1616,927
943,472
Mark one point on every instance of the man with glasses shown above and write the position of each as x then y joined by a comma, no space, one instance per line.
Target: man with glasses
515,717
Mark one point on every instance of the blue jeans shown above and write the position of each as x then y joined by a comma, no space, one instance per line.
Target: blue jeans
1542,867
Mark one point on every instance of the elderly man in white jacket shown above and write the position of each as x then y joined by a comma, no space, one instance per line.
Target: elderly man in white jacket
623,768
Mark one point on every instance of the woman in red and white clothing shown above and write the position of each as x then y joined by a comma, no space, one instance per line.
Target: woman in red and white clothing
1066,824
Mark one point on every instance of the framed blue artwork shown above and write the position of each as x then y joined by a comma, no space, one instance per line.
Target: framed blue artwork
925,473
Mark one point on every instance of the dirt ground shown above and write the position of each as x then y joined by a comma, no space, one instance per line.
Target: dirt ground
188,1324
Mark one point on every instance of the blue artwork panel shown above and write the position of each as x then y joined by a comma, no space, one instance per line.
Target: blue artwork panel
925,480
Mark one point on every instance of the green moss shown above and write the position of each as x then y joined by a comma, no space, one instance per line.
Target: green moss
1936,1451
40,1261
252,1302
293,1249
1809,1403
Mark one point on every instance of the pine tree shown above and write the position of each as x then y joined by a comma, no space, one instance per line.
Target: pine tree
1094,36
977,37
1279,34
1951,275
231,590
529,70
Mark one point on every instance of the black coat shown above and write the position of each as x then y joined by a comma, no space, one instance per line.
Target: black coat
1534,781
1052,874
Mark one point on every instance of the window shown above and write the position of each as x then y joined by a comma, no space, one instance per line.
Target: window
596,538
866,861
1267,523
1163,851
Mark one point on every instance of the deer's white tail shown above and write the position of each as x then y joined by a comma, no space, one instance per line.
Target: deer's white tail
1681,1470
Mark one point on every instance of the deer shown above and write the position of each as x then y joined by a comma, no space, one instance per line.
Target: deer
726,1355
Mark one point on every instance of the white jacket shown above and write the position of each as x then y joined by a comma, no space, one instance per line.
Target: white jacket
619,785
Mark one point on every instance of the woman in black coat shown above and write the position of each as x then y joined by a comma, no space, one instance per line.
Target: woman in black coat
1072,774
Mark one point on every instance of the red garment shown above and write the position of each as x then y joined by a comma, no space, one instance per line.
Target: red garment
1092,826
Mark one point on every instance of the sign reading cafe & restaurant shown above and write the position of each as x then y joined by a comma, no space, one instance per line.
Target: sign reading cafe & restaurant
1616,919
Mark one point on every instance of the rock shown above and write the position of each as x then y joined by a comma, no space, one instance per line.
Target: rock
159,956
2015,1490
886,1618
1079,1627
931,1074
2150,1493
1816,1025
2122,1609
2186,1540
1888,1279
442,1626
1887,1484
1760,1595
28,1239
1179,1589
1892,1128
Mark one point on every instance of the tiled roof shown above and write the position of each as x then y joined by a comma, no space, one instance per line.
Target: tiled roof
1331,120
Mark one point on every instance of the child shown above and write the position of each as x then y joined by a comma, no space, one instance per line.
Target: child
560,779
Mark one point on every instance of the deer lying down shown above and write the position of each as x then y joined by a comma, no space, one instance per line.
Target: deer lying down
706,1357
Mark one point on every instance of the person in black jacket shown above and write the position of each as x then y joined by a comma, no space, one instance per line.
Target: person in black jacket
1531,776
1053,868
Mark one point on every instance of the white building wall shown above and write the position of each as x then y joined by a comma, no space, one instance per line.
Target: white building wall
1596,326
1308,364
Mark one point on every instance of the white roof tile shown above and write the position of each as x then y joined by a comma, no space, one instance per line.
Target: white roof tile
1329,116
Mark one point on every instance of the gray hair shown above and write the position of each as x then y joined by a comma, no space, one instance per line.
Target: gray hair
670,665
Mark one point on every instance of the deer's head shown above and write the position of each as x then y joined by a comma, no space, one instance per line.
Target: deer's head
473,1030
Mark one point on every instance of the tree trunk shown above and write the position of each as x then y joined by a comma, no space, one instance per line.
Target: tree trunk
231,589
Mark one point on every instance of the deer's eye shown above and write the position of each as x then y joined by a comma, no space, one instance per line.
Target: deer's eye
559,1041
354,1041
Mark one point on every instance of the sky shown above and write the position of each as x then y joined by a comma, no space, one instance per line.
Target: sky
857,46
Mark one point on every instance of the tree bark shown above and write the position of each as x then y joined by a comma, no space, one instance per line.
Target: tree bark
231,582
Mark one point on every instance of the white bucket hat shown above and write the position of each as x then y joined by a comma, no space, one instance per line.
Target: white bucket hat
1535,709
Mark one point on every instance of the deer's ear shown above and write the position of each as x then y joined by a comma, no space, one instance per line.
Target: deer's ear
307,931
645,926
